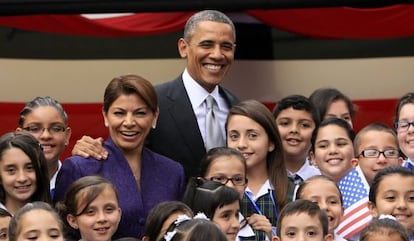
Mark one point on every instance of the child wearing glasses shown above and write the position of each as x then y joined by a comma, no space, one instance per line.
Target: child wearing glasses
47,121
404,125
392,193
376,147
228,167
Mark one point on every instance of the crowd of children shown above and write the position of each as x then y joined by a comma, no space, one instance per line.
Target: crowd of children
299,173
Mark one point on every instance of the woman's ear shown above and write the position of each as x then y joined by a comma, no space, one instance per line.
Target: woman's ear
154,122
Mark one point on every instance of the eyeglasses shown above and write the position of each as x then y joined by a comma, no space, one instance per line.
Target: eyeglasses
403,125
237,180
372,153
54,129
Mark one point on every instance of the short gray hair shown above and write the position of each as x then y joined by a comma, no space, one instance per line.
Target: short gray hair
206,15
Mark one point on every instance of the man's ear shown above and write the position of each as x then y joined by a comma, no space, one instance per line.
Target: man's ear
182,48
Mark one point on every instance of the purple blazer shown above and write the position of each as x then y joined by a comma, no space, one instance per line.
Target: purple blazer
162,179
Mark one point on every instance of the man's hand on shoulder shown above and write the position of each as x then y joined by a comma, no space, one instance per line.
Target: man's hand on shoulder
89,147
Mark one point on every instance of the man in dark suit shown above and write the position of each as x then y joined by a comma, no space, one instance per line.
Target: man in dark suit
208,45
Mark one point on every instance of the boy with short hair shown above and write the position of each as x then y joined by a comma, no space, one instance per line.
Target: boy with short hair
302,220
376,147
296,118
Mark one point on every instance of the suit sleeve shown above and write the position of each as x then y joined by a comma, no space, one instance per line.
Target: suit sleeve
69,173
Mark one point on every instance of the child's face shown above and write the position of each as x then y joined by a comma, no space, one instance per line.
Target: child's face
53,143
333,152
228,167
302,227
227,219
100,219
381,141
338,109
295,128
39,224
4,227
395,196
18,177
406,138
326,195
247,136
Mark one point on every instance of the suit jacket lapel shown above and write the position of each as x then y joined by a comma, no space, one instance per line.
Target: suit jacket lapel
182,114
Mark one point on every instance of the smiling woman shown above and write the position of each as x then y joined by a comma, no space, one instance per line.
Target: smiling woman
130,110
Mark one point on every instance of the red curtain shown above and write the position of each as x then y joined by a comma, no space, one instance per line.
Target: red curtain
341,22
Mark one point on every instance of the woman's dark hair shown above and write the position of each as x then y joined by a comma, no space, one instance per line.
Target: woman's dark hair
127,85
32,148
207,196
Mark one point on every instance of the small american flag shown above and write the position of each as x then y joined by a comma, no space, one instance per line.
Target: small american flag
354,189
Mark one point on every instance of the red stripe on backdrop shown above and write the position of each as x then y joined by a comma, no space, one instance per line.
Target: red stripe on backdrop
336,22
86,119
